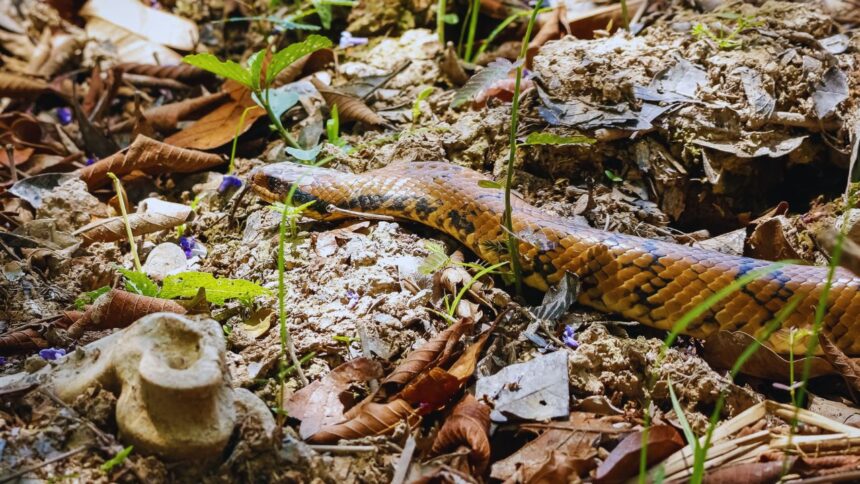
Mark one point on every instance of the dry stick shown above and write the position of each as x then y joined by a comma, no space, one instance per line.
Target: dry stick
403,463
131,242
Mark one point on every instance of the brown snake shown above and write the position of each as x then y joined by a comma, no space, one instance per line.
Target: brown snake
650,281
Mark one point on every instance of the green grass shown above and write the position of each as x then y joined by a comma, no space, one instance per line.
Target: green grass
118,187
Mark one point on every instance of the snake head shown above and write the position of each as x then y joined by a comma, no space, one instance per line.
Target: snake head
322,186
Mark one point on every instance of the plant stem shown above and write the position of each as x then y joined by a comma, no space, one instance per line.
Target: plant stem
441,7
286,341
118,186
513,249
468,285
625,16
236,137
473,26
277,122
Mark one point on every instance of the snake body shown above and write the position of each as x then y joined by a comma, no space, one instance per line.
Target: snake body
649,281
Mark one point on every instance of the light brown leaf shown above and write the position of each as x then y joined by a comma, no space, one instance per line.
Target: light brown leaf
433,352
326,243
167,116
623,461
162,216
749,473
722,349
319,404
179,72
374,419
304,66
118,309
349,108
150,156
559,467
844,365
452,68
15,86
22,340
219,126
259,322
469,424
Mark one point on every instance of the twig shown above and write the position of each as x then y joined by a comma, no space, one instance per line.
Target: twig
56,458
343,449
371,216
403,463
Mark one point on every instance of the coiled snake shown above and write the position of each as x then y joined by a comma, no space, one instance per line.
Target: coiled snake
650,281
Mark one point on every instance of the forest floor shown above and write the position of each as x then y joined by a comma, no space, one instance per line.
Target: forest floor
725,125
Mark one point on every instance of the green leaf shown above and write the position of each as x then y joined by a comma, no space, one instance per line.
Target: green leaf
332,127
280,100
490,184
255,66
117,459
294,52
139,283
558,140
451,19
323,12
416,106
218,290
435,260
612,176
88,297
309,154
227,69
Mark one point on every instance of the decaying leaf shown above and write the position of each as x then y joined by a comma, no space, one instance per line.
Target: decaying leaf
434,352
148,155
830,93
373,419
623,461
27,339
496,71
722,349
259,322
468,424
558,298
452,68
768,240
166,117
320,404
750,472
161,215
848,368
326,243
179,72
118,309
15,86
220,126
348,107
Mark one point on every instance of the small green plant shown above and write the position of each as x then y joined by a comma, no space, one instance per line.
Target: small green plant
726,41
416,105
332,128
119,191
473,14
345,339
442,18
493,269
259,80
88,297
612,176
116,460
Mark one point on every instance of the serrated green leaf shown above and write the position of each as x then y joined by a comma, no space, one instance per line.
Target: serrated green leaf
294,52
490,184
495,71
139,283
558,140
88,297
227,69
218,290
117,459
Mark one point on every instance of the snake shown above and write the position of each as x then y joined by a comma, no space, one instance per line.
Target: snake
653,282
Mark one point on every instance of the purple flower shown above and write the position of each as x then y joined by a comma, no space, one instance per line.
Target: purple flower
52,354
353,298
229,182
2,360
347,40
91,160
64,115
569,337
187,244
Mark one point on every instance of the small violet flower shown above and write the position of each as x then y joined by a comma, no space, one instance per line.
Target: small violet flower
64,115
52,354
353,298
228,182
187,244
91,160
569,337
2,360
347,40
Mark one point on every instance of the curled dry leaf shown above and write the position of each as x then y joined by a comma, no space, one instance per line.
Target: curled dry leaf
15,86
179,72
159,215
349,108
722,349
151,156
435,351
374,419
118,309
319,404
219,126
167,116
469,424
623,461
452,68
845,366
752,472
22,340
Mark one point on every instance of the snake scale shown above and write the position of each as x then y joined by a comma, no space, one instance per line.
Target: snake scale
650,281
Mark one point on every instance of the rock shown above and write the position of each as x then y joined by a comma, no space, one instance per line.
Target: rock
165,259
175,395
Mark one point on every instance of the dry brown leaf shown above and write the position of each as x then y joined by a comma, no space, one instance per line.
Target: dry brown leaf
166,117
319,404
179,72
749,473
768,240
22,340
558,467
326,243
452,68
150,156
844,365
722,349
589,16
160,216
374,419
469,424
304,66
623,462
15,86
118,309
63,48
219,126
349,108
433,352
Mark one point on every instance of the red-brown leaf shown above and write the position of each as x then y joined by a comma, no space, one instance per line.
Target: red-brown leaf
623,462
118,309
846,367
469,424
21,340
432,352
374,419
349,108
179,72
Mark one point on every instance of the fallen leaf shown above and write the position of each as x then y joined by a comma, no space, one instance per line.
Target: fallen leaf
320,404
767,240
433,352
452,68
162,216
259,323
16,86
155,25
623,462
219,126
848,368
468,424
22,340
167,116
770,145
34,188
349,108
180,72
558,299
496,71
514,391
837,411
752,472
830,92
722,349
118,309
374,419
